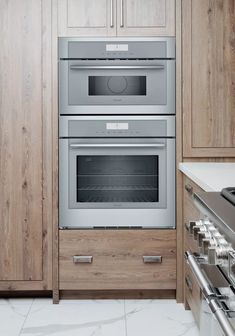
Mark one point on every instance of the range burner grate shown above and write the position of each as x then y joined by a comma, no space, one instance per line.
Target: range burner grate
229,194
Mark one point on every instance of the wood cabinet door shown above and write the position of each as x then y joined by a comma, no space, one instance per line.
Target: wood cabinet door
208,54
86,17
145,17
21,140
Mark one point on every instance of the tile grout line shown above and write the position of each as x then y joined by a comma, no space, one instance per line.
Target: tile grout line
125,316
30,307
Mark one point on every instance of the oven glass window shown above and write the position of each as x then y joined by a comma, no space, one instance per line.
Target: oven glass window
117,85
111,179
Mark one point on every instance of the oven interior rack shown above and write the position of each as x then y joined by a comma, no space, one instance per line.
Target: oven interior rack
117,187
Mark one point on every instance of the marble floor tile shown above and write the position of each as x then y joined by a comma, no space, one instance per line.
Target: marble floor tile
158,317
12,316
83,318
39,317
16,302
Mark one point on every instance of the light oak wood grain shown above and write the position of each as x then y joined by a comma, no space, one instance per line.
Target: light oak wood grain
146,18
55,165
93,17
179,177
48,148
148,13
25,145
208,78
205,159
20,140
87,13
117,259
86,18
117,294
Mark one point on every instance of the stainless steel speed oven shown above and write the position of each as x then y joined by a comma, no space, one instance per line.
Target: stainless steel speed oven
110,76
117,171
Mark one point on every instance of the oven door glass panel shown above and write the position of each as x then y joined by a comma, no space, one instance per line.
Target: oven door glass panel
117,179
113,173
117,85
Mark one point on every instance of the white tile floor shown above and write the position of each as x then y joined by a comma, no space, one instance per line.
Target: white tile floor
39,317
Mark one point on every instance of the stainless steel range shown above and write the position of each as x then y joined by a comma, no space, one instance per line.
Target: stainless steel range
214,266
117,132
117,171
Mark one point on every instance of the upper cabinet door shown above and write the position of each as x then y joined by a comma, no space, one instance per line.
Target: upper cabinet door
145,17
208,52
87,17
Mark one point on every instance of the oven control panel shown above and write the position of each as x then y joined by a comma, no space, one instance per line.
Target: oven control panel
85,127
117,126
213,245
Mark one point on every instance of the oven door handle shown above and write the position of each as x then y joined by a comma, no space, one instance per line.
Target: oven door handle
113,67
202,280
221,317
124,145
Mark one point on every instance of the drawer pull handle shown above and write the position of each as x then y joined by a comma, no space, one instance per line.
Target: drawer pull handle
82,259
189,283
152,259
189,189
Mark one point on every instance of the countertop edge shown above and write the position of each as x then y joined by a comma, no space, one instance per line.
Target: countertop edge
194,178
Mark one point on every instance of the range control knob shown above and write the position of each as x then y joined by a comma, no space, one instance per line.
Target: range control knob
191,225
200,237
207,243
216,254
212,259
196,230
205,246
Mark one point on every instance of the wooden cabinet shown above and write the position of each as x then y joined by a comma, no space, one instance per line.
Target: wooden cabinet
146,18
192,294
116,17
25,147
86,17
208,53
117,259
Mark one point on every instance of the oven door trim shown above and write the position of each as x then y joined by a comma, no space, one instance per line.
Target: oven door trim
116,147
135,108
128,217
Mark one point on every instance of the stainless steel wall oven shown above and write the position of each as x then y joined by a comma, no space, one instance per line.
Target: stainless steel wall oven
100,76
117,172
117,132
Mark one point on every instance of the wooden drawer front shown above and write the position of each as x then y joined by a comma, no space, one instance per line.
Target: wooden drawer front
117,259
192,293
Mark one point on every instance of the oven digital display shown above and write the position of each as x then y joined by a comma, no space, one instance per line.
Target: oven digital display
117,47
117,126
